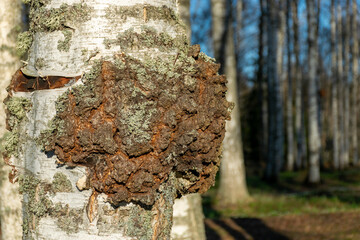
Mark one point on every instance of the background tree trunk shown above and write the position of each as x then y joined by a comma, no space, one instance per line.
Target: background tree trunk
346,83
334,89
276,21
289,100
10,199
232,189
340,76
355,76
314,136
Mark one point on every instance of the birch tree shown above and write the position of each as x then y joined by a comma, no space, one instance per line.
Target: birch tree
276,21
232,189
334,89
340,76
314,135
289,99
346,83
112,117
10,25
355,76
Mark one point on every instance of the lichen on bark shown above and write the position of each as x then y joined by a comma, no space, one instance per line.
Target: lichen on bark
134,122
16,109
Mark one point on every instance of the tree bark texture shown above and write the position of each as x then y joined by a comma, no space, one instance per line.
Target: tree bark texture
10,199
232,189
112,116
314,135
276,21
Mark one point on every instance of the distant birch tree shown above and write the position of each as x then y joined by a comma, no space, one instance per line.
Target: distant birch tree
313,122
232,189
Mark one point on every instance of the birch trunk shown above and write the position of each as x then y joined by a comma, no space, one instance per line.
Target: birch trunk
94,161
232,189
355,76
346,84
334,90
299,128
262,84
188,217
289,100
276,19
10,199
341,87
314,136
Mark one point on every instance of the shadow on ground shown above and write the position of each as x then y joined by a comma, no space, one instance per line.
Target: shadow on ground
240,229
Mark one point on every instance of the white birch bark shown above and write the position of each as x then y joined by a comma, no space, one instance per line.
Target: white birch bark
314,135
334,90
355,76
232,189
10,199
100,220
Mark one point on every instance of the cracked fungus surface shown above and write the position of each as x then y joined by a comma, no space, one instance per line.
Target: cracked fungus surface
135,122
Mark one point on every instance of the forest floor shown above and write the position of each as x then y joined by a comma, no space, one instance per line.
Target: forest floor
291,210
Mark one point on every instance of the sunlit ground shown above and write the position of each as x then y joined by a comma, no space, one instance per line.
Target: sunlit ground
291,209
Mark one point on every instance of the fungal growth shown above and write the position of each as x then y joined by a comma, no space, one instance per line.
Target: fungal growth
134,122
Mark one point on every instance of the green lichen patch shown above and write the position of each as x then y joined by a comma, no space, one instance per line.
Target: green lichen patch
64,45
43,19
40,63
16,109
38,204
23,44
139,224
68,219
148,38
61,183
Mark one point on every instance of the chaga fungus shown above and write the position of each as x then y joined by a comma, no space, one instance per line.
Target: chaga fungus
135,122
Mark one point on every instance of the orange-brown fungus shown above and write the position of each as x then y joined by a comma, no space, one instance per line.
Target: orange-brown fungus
131,133
23,83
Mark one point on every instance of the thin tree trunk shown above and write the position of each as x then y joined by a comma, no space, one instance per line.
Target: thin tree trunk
10,199
314,135
334,90
299,128
346,84
355,76
340,76
276,18
188,217
107,122
262,85
232,189
289,100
